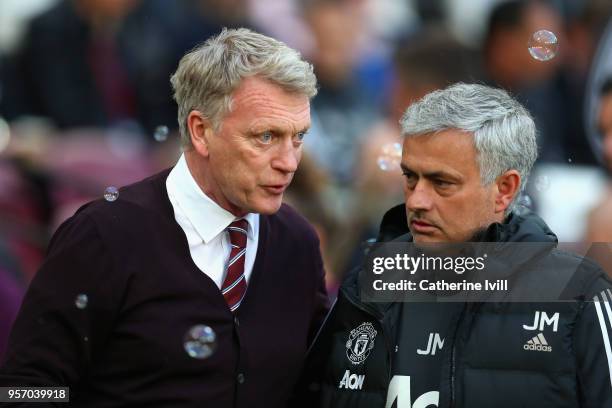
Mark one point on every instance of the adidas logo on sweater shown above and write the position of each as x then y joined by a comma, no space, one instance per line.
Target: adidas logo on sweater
538,343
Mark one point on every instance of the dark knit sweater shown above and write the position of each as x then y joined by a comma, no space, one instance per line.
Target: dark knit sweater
126,347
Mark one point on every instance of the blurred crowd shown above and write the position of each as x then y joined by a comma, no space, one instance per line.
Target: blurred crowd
85,103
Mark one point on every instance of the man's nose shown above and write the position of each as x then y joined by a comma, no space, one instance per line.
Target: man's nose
287,157
419,198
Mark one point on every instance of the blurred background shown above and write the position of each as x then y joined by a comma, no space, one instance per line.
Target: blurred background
85,104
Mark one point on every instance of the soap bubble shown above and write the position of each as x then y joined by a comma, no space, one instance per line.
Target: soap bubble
81,301
161,133
542,183
111,194
390,157
524,205
200,341
543,45
525,201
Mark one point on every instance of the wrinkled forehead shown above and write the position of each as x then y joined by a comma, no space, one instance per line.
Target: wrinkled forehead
264,104
449,150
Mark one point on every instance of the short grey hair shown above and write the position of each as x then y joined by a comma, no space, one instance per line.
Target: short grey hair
207,76
504,131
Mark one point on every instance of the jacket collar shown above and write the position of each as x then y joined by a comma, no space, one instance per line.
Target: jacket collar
516,228
528,228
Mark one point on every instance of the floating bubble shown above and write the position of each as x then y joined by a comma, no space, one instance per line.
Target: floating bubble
390,157
161,133
81,301
111,194
543,45
525,201
542,183
520,210
523,205
200,341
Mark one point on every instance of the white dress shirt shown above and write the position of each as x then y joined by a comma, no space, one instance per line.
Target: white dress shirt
204,223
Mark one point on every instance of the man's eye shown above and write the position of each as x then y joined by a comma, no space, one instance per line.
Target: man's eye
441,183
300,136
266,137
410,178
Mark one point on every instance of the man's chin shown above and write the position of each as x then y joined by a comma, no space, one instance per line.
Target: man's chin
426,238
268,206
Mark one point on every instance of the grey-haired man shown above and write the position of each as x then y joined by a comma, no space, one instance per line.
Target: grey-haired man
197,286
467,154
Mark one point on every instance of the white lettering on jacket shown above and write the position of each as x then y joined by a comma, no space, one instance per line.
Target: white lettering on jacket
351,381
541,319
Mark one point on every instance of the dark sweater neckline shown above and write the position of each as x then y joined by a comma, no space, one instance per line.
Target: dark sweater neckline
164,206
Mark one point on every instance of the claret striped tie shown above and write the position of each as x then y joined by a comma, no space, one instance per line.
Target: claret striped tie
234,286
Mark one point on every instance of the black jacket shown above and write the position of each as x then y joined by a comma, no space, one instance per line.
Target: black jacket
489,357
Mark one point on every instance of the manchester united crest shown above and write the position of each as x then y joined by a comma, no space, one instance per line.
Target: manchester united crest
360,343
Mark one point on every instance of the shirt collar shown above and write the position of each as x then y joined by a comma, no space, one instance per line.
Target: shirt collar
206,216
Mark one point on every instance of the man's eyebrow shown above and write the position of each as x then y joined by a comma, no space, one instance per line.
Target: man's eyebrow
431,174
263,128
405,168
440,174
274,129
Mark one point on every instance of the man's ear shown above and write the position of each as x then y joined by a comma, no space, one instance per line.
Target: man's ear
508,186
200,131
